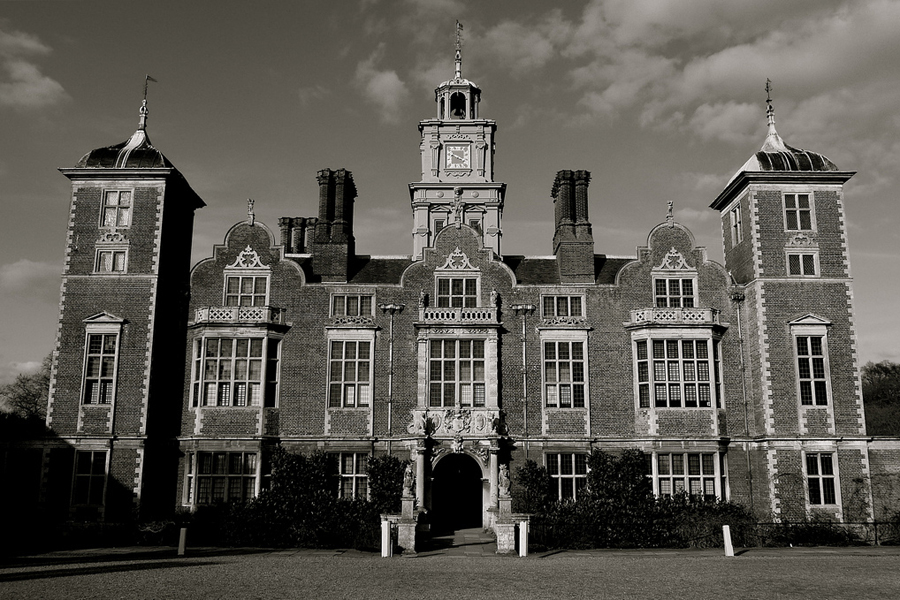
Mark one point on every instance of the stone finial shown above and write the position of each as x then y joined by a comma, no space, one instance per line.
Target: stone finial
670,215
251,216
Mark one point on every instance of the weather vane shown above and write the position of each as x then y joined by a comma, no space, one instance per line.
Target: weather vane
144,110
459,29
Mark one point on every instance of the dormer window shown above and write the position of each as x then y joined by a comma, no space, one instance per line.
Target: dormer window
246,290
457,292
674,292
247,280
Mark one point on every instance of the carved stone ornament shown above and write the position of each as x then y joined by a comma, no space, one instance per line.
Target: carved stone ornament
440,194
248,259
458,261
409,479
674,261
457,445
112,236
503,480
361,320
801,239
482,453
571,321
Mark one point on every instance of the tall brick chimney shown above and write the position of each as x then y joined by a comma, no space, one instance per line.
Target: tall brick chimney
333,246
573,242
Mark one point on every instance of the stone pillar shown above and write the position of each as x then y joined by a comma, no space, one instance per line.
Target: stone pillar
493,476
420,476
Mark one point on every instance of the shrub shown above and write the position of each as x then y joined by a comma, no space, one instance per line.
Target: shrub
386,482
618,509
533,489
301,509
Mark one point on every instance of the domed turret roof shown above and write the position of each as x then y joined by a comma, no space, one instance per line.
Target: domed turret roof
134,153
775,155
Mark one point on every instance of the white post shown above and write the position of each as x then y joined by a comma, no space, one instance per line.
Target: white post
182,541
726,533
387,545
523,539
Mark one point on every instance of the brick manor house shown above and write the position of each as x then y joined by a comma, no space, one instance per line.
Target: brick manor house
172,384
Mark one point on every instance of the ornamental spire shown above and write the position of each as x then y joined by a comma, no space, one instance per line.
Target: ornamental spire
144,110
773,142
459,28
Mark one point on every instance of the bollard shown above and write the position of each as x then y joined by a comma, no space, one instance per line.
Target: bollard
182,541
726,534
523,539
387,544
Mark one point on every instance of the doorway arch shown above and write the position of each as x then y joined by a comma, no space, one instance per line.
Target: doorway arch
457,496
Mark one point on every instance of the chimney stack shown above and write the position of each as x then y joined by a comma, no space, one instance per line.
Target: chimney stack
573,242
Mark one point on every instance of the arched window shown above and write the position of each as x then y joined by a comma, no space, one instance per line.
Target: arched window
458,105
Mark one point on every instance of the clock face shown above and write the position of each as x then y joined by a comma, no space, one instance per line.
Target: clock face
457,156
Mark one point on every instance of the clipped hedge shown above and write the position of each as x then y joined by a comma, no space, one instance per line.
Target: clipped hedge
617,509
301,508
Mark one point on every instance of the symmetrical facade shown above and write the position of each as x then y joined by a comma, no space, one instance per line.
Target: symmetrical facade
172,385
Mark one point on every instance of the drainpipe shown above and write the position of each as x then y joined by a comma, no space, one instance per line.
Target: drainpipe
738,298
524,310
390,309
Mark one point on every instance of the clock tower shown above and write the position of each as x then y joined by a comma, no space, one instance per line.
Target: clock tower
457,149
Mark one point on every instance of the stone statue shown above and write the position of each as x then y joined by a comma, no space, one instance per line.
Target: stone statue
408,480
494,298
503,480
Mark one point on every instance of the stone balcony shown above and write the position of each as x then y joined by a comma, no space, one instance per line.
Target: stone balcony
263,315
674,316
468,316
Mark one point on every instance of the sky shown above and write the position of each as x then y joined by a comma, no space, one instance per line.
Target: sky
662,100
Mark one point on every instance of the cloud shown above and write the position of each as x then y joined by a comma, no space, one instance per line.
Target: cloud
522,48
22,85
31,280
9,371
311,93
384,88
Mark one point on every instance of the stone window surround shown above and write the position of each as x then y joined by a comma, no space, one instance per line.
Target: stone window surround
101,328
198,356
814,252
348,334
835,477
720,465
565,335
491,359
796,209
679,333
116,208
190,493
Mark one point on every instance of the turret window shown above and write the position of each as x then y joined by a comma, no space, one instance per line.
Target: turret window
798,212
100,368
803,264
110,261
117,208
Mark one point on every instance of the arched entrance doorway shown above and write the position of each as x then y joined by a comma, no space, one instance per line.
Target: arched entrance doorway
456,493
